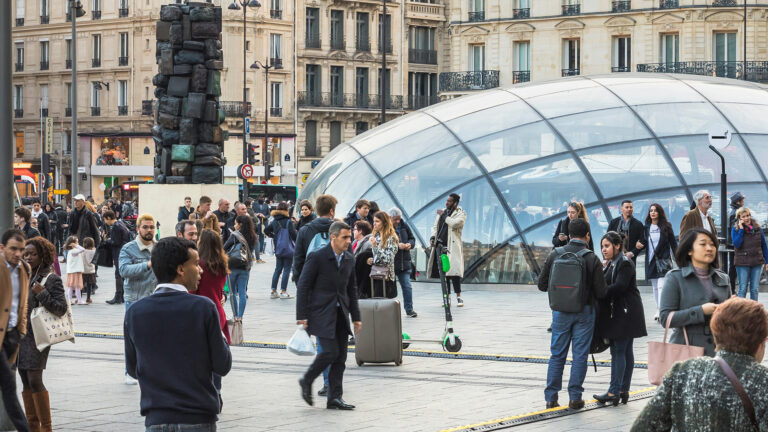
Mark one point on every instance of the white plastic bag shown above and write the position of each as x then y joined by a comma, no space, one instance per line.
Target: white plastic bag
300,343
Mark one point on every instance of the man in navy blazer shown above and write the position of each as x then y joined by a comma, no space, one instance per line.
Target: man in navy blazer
326,297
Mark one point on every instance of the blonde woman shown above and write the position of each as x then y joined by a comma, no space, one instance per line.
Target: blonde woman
384,242
575,210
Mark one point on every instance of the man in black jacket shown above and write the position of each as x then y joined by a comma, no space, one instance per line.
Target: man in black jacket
175,366
82,222
326,296
403,258
630,228
62,226
116,237
21,218
224,215
362,212
325,205
573,329
43,223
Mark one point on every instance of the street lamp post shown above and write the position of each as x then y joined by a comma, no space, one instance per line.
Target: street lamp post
75,10
6,122
236,5
383,74
723,206
267,65
744,60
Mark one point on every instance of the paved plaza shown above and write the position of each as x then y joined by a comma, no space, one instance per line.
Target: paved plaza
261,392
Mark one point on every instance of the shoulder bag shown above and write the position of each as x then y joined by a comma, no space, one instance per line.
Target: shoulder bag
662,355
50,329
239,252
235,324
663,265
740,390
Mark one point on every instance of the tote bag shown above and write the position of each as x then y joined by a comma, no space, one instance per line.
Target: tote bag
50,329
662,355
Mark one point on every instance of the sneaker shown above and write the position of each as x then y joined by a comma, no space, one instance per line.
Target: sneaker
84,303
89,301
260,261
656,316
129,380
274,295
285,295
459,302
412,314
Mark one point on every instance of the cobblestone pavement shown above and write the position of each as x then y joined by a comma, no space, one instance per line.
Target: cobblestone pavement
424,394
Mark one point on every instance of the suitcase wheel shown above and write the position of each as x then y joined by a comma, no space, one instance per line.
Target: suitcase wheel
359,363
398,363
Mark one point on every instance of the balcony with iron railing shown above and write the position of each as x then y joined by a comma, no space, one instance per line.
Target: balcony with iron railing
276,13
472,80
388,46
45,19
421,101
68,17
521,76
276,61
422,56
570,72
147,107
96,15
476,16
44,65
276,112
313,41
571,9
122,61
18,113
621,6
96,62
755,70
122,110
668,4
724,3
523,13
621,69
338,43
95,111
68,112
122,12
235,109
44,112
19,67
19,22
347,100
363,44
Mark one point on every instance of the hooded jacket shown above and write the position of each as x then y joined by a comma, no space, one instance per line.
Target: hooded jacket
305,236
279,218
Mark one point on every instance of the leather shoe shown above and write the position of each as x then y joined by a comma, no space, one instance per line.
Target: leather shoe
552,404
606,398
306,391
114,301
624,397
576,404
339,404
323,391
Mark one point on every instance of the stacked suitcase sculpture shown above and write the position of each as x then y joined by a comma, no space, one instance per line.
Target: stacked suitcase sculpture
188,136
380,339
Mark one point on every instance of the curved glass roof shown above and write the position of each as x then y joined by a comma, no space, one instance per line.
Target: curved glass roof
518,155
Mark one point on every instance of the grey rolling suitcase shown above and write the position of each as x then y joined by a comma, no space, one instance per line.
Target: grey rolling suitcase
380,339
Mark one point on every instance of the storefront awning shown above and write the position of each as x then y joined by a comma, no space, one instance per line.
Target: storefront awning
23,172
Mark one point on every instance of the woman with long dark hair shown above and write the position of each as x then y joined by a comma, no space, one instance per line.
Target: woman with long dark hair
47,290
240,249
215,265
573,211
659,243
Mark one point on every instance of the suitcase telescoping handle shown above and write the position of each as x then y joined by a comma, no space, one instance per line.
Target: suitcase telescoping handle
383,288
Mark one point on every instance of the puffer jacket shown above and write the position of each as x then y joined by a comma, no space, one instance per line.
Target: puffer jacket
279,218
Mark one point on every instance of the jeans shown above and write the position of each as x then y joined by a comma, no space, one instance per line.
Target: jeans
262,243
658,287
749,276
622,365
575,330
238,279
405,286
282,265
205,427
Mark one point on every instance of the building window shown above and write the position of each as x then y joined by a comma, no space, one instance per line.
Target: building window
360,127
313,84
622,54
19,138
123,8
68,108
476,10
571,56
521,52
112,151
45,11
477,58
18,101
96,9
724,47
422,89
422,46
123,60
95,100
44,55
68,61
276,9
275,48
385,26
335,134
337,29
522,9
122,97
337,86
19,57
310,150
313,28
363,42
20,12
44,100
96,49
571,7
388,87
276,104
669,53
361,87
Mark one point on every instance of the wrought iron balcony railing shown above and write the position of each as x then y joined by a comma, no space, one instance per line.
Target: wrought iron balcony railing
419,101
235,108
68,112
122,110
122,12
96,62
96,15
19,22
338,44
363,44
19,67
621,69
347,100
95,111
45,19
388,46
68,64
18,113
621,6
524,13
668,4
147,107
476,16
571,9
44,65
122,61
473,80
756,70
276,13
422,56
521,76
570,72
274,61
313,41
724,2
275,112
44,112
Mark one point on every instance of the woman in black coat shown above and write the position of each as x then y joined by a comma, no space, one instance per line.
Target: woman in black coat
307,215
620,317
659,244
574,210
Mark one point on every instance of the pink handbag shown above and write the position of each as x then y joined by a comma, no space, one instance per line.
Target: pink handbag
662,355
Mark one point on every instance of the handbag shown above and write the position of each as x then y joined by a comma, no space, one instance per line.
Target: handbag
663,265
662,355
50,329
379,272
239,252
234,325
740,390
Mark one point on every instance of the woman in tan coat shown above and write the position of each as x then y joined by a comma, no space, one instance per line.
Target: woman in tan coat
447,233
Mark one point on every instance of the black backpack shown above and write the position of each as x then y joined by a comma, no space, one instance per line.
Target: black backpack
567,280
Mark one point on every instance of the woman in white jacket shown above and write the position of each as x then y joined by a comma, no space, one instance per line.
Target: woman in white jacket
447,232
75,268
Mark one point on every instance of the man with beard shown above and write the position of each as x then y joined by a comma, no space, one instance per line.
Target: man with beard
82,222
43,223
136,267
631,230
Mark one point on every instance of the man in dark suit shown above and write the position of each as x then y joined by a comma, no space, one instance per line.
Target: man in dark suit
326,296
630,228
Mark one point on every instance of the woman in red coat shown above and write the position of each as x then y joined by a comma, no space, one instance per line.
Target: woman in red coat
213,261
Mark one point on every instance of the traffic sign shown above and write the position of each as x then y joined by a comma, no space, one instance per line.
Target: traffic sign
720,137
61,191
245,171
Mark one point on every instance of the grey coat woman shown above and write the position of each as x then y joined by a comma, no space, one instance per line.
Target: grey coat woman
684,294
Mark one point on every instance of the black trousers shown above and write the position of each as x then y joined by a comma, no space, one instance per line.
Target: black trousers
334,353
8,381
455,281
118,278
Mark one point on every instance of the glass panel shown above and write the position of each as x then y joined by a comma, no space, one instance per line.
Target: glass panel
759,146
600,127
507,264
575,101
492,120
516,145
330,167
626,168
392,131
679,118
739,93
376,194
540,240
700,165
747,118
536,89
660,91
756,200
470,103
545,189
393,156
348,191
598,226
674,203
418,183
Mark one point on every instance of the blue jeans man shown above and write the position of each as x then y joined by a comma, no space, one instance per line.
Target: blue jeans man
574,330
405,285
